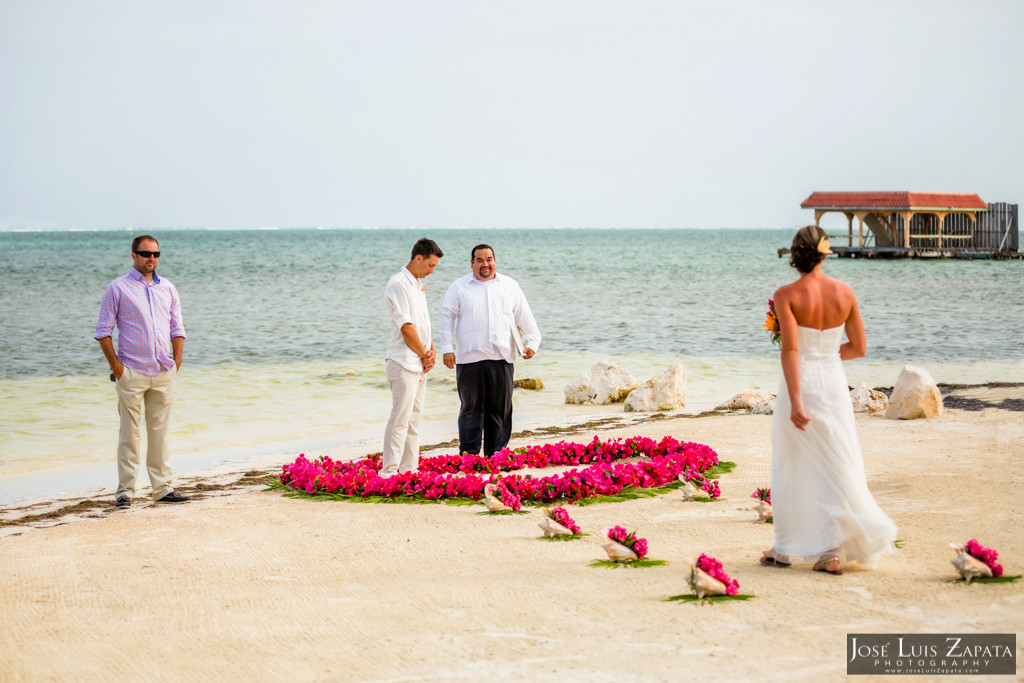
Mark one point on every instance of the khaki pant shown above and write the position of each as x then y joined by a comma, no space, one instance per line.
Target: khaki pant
402,434
134,389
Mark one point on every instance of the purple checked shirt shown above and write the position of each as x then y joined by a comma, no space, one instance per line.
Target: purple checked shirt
147,315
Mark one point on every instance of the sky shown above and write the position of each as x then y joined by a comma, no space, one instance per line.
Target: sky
494,113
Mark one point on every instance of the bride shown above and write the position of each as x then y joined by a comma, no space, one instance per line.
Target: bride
823,510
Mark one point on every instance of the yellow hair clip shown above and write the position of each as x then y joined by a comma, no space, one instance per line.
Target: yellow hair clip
823,246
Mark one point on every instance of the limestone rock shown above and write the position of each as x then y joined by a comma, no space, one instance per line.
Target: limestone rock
915,395
664,391
604,383
745,401
764,408
528,383
867,400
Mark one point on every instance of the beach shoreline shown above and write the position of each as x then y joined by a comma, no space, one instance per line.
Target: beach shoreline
231,581
234,476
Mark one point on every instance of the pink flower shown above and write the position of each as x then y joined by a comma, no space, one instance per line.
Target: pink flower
560,515
438,476
986,555
713,568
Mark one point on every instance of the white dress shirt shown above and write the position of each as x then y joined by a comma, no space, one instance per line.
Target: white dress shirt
407,303
477,318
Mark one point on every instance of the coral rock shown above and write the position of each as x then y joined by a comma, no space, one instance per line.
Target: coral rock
665,391
745,401
528,383
915,395
764,408
867,400
604,383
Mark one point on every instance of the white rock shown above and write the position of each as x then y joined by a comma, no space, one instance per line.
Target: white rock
764,408
867,400
915,395
745,401
604,383
664,391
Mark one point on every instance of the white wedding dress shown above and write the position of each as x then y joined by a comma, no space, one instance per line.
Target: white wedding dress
820,497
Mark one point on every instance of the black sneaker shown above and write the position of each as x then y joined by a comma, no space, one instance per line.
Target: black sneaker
173,497
123,501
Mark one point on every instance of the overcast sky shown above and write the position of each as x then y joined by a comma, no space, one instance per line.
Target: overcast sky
441,113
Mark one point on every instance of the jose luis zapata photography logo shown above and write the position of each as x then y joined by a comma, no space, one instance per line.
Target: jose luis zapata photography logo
931,653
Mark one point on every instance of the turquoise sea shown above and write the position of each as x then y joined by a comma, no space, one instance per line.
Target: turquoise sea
286,331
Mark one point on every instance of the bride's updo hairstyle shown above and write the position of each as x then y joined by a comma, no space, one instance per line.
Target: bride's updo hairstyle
804,254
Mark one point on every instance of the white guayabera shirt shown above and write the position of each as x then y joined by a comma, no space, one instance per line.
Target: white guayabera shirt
407,303
477,317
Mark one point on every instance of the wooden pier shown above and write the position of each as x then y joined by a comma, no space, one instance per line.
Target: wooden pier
920,225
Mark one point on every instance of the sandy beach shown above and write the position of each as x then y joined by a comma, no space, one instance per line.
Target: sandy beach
244,583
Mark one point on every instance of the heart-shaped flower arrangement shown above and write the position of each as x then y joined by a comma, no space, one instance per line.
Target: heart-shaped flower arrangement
660,465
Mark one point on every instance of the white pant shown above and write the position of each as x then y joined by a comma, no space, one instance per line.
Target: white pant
133,389
402,434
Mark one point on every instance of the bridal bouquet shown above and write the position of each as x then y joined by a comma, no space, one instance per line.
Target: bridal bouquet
771,322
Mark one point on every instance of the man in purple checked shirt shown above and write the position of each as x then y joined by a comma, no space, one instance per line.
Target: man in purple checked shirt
150,340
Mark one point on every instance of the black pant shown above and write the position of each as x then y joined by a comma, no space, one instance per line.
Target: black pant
485,390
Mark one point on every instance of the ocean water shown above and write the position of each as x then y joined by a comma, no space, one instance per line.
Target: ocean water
287,329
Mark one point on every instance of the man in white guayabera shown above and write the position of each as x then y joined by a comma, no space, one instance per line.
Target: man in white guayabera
150,340
489,319
410,356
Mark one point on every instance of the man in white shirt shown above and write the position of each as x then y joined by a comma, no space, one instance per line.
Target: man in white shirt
480,311
410,356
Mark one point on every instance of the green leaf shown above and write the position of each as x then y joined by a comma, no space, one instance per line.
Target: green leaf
989,579
562,538
640,564
707,598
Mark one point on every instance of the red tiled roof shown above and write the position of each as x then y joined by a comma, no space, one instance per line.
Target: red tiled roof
893,200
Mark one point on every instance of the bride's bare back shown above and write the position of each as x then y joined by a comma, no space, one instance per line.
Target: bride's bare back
820,302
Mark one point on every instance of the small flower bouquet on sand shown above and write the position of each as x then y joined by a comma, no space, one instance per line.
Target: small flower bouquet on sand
500,501
698,487
975,562
764,505
708,581
558,525
625,548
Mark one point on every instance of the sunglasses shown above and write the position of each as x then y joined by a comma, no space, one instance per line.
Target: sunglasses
147,254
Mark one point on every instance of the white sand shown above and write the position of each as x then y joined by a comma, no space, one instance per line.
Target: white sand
253,585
